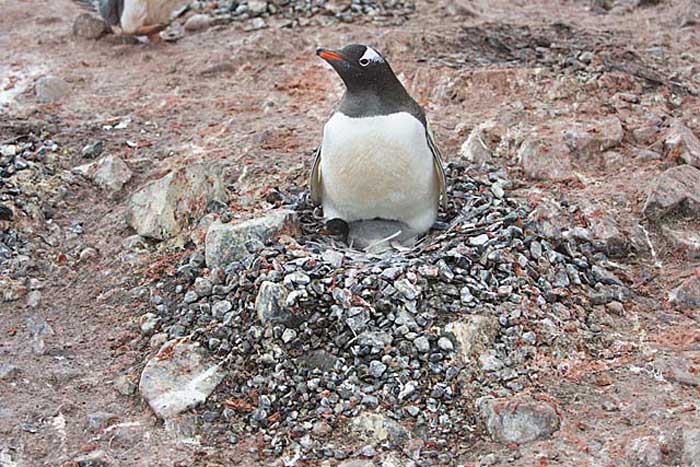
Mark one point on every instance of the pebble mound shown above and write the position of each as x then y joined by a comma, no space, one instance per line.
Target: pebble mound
298,12
316,333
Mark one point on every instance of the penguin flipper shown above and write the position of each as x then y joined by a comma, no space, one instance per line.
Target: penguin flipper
438,165
315,179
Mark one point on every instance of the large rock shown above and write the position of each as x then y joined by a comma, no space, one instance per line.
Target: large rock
473,334
51,89
682,144
545,159
376,428
676,189
586,140
178,378
226,243
519,420
109,173
683,368
165,207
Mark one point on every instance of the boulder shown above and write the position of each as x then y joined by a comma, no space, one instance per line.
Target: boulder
681,144
545,158
676,189
109,173
179,377
163,208
518,420
227,243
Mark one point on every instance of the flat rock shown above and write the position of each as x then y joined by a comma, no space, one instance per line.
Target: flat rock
472,335
676,189
163,208
226,243
688,241
681,144
357,463
518,420
687,294
89,27
51,89
377,428
109,173
178,378
545,158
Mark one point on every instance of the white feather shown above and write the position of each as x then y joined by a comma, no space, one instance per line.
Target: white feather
378,167
371,55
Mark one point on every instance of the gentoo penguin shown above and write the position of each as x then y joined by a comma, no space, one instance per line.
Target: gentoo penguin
137,17
377,159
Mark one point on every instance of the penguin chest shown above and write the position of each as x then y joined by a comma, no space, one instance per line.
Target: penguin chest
377,167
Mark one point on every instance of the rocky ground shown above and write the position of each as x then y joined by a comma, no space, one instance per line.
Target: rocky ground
169,296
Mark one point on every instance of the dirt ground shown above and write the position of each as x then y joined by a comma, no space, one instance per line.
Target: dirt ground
258,100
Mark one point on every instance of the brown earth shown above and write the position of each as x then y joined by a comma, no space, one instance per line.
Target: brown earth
257,100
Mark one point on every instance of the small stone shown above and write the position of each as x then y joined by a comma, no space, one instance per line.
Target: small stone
288,335
270,303
257,7
682,144
422,344
368,451
648,155
98,421
33,298
198,22
445,344
691,447
586,57
92,150
8,372
255,25
149,323
604,276
202,286
51,89
480,145
356,463
190,296
545,158
472,335
89,27
376,368
479,240
219,309
124,385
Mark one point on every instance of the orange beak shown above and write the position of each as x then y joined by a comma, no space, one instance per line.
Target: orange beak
329,55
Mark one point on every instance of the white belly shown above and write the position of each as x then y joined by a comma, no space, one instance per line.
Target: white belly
378,167
139,13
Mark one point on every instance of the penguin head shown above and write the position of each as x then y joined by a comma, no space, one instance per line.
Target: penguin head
360,67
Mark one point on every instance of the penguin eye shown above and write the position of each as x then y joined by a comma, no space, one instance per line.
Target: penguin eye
364,61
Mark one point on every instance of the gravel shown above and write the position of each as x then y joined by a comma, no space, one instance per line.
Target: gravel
294,13
314,331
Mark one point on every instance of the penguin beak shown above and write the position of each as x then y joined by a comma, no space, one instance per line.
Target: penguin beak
330,55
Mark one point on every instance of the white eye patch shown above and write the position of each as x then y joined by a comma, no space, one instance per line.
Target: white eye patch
369,56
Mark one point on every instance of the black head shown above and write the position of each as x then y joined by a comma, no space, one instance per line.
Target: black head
360,67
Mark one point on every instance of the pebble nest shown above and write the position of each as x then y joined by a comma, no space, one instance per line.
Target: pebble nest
22,156
299,12
356,331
